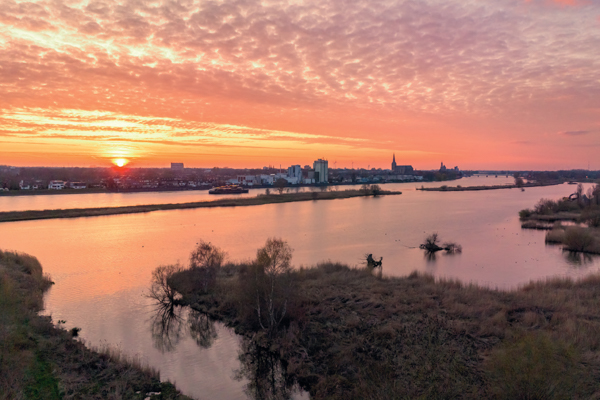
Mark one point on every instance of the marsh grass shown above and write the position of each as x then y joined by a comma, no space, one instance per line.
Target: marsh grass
575,238
585,211
459,188
352,334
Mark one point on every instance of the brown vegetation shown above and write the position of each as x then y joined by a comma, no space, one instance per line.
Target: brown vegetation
349,334
458,188
579,208
9,216
39,361
431,245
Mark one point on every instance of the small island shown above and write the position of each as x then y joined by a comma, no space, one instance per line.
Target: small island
458,188
268,198
573,221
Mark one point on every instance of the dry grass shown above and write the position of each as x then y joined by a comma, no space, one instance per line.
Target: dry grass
576,238
459,188
354,335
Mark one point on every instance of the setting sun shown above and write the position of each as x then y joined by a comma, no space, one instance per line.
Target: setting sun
120,162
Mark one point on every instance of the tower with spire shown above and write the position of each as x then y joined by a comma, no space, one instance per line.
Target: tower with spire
394,163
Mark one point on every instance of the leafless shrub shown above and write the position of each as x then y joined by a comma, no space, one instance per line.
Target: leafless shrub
160,290
266,286
452,247
545,206
206,260
577,239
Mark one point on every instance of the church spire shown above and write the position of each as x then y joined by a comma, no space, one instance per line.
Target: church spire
394,158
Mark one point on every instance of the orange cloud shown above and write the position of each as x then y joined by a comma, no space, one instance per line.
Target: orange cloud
285,79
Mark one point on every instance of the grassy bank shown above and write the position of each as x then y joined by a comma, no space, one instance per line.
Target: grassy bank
39,361
583,214
459,188
347,333
11,216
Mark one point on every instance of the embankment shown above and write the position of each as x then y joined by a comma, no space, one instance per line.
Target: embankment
10,216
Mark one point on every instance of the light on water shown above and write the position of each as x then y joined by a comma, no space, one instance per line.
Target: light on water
102,265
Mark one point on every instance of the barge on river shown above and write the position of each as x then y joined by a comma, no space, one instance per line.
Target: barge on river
229,189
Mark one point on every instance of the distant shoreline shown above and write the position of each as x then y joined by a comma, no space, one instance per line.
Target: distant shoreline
13,216
47,192
445,188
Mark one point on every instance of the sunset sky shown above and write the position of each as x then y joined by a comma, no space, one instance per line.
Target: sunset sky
496,84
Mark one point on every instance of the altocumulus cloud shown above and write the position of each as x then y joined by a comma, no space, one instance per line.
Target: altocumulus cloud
206,60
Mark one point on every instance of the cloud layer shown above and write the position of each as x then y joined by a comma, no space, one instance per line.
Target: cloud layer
299,65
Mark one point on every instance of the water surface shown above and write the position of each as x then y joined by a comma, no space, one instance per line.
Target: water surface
102,265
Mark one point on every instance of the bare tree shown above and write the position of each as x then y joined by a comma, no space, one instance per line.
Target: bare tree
206,260
272,274
160,290
280,184
518,180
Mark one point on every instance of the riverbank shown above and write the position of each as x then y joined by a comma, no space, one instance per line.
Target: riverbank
11,216
40,361
459,188
573,222
349,333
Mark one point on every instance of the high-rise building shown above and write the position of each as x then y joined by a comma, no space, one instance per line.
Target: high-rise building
321,168
177,166
295,171
394,163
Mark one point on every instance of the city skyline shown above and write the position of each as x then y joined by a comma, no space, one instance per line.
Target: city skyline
509,85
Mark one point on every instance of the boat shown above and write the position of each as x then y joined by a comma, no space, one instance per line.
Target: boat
229,189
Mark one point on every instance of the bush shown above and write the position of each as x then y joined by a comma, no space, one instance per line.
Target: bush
375,190
524,214
536,366
545,207
578,239
591,218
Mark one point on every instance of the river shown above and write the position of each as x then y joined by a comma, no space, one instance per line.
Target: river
102,265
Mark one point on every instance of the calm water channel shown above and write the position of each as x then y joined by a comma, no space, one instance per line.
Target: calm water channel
102,265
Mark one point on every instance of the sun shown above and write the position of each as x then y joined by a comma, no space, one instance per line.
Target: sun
120,162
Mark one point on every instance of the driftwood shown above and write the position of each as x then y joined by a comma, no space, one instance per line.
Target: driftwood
431,245
371,263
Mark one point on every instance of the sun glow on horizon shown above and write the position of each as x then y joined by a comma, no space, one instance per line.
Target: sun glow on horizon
120,162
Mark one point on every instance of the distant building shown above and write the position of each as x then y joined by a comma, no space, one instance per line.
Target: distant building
177,166
443,167
401,169
295,172
78,185
321,168
56,185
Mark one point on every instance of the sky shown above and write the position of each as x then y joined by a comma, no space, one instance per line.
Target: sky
498,84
